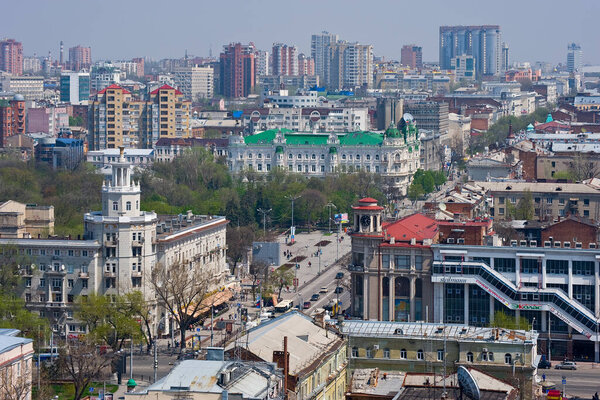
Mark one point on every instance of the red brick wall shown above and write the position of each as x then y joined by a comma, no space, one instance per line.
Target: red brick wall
473,235
529,160
568,229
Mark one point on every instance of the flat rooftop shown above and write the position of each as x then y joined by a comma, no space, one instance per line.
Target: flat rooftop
388,329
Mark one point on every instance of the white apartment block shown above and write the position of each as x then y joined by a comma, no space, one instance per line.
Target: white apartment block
306,119
195,82
30,87
262,63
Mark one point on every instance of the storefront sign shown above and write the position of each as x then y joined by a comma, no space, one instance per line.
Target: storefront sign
527,307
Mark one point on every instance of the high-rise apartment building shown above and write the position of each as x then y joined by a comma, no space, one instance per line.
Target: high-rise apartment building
11,56
12,118
195,82
116,118
32,65
285,59
262,62
306,65
505,61
412,56
318,51
350,65
80,57
75,87
483,42
140,66
574,58
237,70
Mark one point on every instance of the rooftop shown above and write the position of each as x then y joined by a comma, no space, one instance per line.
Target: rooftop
539,187
360,138
387,329
416,226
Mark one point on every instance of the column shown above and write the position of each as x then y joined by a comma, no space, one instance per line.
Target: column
412,280
544,321
596,352
466,286
380,298
492,306
543,273
596,290
438,301
392,298
518,272
570,280
365,296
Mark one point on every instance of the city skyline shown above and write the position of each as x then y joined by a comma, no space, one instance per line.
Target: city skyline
387,27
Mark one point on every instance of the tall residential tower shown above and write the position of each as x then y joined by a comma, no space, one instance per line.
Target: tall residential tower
483,42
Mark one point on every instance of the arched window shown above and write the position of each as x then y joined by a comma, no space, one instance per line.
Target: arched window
420,354
128,206
508,358
290,156
368,157
469,357
314,156
358,157
403,354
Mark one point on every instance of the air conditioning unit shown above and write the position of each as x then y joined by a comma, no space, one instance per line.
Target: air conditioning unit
592,245
557,243
578,245
450,240
484,350
533,243
460,241
566,244
523,243
547,243
513,243
375,347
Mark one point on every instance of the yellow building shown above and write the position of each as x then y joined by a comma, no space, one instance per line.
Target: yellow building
18,221
317,356
117,119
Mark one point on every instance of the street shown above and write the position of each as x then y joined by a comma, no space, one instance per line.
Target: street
584,382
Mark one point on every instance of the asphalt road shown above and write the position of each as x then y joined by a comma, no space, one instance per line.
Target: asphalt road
583,382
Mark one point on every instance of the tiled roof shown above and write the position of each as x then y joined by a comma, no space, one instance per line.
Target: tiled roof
416,226
166,87
363,138
114,86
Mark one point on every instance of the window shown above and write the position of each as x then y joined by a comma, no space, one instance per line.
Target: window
57,252
355,352
70,283
128,206
419,354
586,202
42,282
385,261
403,354
440,355
386,353
557,266
115,206
402,261
27,282
469,357
500,200
529,266
369,353
490,356
70,253
548,200
583,267
501,211
484,356
508,359
84,283
504,264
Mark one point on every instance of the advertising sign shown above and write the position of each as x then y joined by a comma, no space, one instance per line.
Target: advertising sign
341,218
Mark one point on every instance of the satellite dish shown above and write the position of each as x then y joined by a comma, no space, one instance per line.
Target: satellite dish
442,206
408,117
467,383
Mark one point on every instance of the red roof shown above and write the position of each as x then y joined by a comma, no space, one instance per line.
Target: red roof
165,87
368,200
114,86
416,226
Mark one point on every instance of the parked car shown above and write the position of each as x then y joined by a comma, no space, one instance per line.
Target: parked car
544,364
324,290
315,297
339,275
307,305
566,365
339,289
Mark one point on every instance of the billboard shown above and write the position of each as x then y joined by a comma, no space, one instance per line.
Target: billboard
341,218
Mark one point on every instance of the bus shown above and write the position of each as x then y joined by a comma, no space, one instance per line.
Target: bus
284,305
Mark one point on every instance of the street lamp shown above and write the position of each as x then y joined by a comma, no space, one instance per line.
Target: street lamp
264,213
292,199
330,205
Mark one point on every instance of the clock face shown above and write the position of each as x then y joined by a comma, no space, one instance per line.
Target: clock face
365,220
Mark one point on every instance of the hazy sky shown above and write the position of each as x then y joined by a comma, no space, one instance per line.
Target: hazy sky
534,29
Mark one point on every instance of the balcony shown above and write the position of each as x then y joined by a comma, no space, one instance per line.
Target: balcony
84,275
109,274
356,268
56,305
137,243
62,271
110,243
136,274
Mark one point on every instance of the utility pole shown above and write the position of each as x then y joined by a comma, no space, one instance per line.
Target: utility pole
131,359
330,205
293,229
264,213
155,360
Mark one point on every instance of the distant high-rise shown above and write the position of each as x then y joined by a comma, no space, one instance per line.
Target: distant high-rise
237,70
11,56
75,87
285,59
195,82
349,65
505,63
412,56
263,64
62,52
319,52
574,58
306,65
483,42
80,57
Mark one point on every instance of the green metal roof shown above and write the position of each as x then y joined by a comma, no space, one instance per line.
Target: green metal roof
361,138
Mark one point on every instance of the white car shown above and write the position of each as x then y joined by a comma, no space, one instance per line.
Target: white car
324,290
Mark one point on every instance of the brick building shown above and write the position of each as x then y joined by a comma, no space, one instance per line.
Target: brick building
11,56
237,70
571,232
12,118
80,57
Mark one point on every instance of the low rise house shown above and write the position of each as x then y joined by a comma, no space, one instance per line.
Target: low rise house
16,365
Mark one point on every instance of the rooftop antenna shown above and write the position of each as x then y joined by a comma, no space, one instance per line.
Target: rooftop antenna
210,50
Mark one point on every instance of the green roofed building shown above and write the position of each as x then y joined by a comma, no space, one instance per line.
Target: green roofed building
394,154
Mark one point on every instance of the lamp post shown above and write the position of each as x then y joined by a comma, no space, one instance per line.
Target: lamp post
292,199
330,205
264,213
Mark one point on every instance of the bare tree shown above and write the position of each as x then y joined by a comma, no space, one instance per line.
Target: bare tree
258,270
15,380
181,290
82,362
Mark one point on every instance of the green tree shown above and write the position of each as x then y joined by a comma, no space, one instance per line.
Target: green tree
503,320
524,209
415,191
239,241
14,314
428,182
281,278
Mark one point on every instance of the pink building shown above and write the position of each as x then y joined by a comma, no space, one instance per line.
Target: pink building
47,120
16,365
306,65
11,56
80,57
